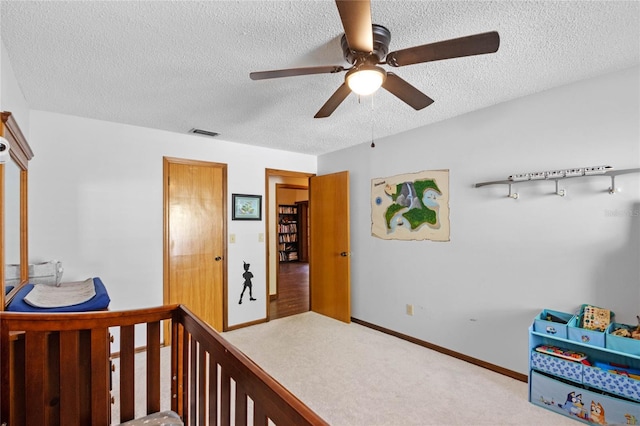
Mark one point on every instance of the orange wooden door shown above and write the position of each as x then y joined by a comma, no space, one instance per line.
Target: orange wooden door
329,251
195,229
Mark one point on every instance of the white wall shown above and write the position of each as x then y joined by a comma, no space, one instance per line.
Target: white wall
507,259
11,97
95,203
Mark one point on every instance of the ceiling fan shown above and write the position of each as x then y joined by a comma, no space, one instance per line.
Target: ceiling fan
365,46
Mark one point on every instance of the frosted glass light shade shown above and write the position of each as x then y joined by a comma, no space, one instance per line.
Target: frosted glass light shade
365,80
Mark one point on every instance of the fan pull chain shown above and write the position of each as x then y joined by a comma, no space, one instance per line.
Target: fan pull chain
373,144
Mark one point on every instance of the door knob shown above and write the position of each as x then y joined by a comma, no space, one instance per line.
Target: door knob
345,254
218,258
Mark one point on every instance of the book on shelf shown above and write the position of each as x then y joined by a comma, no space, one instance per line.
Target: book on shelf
288,256
288,238
287,228
288,210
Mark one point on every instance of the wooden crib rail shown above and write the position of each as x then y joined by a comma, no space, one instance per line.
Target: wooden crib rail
55,370
205,347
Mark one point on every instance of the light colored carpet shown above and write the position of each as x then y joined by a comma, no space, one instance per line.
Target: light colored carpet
352,375
141,384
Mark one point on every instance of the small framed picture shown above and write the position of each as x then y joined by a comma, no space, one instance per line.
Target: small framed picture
246,207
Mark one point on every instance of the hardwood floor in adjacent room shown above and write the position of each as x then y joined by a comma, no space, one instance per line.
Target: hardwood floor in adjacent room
293,290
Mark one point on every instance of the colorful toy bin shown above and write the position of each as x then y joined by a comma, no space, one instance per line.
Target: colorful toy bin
553,323
622,344
583,335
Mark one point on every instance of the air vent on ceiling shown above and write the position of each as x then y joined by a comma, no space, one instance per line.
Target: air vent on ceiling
204,132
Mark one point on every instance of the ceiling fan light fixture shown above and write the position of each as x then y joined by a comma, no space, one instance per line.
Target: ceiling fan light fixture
366,79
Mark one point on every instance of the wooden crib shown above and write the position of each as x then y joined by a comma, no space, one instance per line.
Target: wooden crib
56,370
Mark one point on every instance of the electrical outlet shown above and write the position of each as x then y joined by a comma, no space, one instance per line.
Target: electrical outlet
409,309
232,238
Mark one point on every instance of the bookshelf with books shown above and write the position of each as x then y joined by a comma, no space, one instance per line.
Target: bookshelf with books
288,233
303,230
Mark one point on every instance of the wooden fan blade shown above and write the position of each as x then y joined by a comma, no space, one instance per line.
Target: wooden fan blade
455,48
356,21
291,72
334,101
406,92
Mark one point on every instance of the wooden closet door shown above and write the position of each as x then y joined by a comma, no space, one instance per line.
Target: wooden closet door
195,226
330,263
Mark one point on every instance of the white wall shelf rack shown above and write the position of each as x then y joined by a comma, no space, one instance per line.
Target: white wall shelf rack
561,192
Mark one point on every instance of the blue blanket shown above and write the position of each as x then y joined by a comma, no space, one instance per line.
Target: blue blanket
98,302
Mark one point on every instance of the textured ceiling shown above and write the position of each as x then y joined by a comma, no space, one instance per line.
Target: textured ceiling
178,65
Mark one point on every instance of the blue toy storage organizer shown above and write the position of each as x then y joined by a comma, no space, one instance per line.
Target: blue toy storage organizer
553,380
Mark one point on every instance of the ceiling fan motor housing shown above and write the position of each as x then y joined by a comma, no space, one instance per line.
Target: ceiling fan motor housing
381,40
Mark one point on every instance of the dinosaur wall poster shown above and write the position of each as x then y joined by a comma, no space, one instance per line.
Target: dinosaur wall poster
412,206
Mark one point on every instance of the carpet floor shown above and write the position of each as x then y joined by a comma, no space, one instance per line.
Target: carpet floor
352,375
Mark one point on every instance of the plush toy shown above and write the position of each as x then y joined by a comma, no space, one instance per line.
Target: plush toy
635,334
627,331
622,332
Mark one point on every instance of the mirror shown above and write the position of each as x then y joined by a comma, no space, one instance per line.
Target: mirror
11,223
13,213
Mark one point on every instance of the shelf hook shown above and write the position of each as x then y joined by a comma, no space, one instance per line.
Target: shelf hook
613,189
513,195
560,192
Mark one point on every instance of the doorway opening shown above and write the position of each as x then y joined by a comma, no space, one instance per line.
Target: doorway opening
286,208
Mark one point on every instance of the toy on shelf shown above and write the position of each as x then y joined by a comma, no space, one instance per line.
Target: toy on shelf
594,318
623,370
554,318
562,353
621,330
